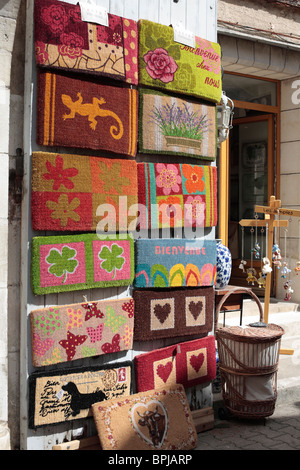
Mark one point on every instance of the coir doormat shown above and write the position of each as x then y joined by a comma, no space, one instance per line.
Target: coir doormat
72,112
175,263
62,396
167,313
63,41
156,420
166,64
69,332
190,363
75,262
177,195
174,126
73,192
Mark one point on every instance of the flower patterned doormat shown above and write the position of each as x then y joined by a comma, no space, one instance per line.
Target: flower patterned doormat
168,313
64,41
190,363
75,262
156,420
174,126
69,332
175,263
63,396
68,192
72,112
177,195
164,63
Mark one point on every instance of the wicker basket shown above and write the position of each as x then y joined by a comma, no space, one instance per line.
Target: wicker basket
248,364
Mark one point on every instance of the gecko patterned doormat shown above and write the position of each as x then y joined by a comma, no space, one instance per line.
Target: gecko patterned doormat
177,195
62,396
71,192
174,126
170,313
75,262
79,113
190,363
156,420
175,263
70,332
164,63
64,41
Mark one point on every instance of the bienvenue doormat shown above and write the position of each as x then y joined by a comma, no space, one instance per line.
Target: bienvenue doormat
166,64
156,420
72,112
74,262
63,396
69,332
68,192
63,41
175,262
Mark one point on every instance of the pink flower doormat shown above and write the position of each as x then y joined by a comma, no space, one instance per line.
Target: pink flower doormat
75,262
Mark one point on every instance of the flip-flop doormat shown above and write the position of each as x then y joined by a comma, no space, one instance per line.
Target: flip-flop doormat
175,263
67,192
64,41
63,396
75,262
155,420
164,63
177,195
80,113
69,332
173,126
190,363
170,313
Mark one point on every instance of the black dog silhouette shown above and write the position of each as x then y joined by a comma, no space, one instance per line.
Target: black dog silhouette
82,401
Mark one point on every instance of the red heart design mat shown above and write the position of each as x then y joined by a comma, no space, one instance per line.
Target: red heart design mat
197,361
164,371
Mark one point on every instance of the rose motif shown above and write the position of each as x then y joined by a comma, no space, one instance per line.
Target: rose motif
71,45
160,65
41,53
55,17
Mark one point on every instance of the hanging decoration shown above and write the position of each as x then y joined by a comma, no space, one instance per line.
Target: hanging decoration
297,267
251,272
262,277
285,273
276,253
243,262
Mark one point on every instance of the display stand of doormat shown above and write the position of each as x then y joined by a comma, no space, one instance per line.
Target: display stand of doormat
156,420
62,396
164,63
177,195
189,363
70,332
174,262
170,313
67,191
63,41
174,126
75,262
72,112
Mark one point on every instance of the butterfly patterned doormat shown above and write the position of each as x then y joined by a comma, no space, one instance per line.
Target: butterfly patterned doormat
174,126
177,195
169,313
72,112
75,262
166,64
63,41
156,420
63,396
174,263
190,363
69,332
68,192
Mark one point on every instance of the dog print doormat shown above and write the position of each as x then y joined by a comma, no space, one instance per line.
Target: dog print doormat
62,396
75,262
63,41
175,263
155,420
69,332
67,192
72,112
166,64
177,195
190,363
